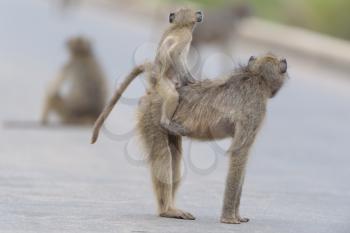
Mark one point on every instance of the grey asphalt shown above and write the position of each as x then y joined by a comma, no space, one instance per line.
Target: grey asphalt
53,180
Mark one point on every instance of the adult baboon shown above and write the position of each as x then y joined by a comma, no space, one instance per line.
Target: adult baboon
233,106
86,95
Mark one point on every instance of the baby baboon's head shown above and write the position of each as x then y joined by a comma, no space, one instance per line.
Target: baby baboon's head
185,16
79,46
271,68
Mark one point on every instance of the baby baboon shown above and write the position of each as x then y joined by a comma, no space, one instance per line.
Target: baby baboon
86,94
233,106
167,73
171,64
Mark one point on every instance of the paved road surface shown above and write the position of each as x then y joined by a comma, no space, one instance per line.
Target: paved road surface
52,180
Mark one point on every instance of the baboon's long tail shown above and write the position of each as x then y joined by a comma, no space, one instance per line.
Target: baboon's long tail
107,110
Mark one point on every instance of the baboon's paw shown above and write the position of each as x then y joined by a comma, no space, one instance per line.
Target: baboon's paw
175,129
243,219
230,220
179,214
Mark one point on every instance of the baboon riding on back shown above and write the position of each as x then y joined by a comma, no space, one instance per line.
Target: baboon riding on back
233,106
167,73
229,107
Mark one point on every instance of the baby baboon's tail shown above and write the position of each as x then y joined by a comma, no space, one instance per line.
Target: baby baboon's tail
107,110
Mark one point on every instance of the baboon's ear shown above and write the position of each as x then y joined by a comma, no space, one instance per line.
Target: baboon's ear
199,16
171,17
252,58
251,62
283,65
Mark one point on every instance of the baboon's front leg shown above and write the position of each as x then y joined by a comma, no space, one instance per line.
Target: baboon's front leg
49,105
54,103
163,180
238,160
230,212
239,201
53,100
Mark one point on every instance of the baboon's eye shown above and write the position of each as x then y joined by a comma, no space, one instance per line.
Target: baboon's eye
171,17
283,66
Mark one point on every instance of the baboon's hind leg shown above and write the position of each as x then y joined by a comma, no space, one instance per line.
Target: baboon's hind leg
170,102
161,162
175,144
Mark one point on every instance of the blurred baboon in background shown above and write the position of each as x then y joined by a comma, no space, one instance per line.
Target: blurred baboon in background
66,4
78,95
220,25
220,29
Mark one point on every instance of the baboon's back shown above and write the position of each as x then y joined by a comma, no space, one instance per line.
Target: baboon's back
86,93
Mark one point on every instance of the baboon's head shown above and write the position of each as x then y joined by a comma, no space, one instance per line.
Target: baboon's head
79,46
185,17
272,69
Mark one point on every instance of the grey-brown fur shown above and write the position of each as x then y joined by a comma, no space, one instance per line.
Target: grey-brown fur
86,96
232,106
168,72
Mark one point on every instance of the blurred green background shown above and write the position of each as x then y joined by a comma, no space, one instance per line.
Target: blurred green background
325,16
